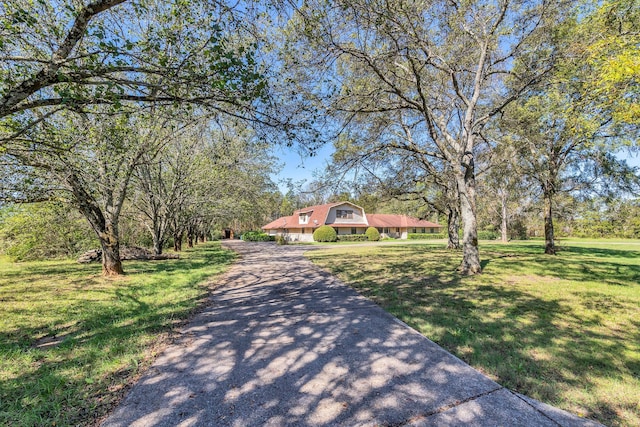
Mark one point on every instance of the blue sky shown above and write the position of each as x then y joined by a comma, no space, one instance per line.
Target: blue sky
299,168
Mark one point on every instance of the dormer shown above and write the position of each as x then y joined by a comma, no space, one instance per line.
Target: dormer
303,217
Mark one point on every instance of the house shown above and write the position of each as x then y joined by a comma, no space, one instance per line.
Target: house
346,218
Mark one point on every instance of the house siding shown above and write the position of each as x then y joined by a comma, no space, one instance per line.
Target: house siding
358,215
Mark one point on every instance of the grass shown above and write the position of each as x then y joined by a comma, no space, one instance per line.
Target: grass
71,340
563,329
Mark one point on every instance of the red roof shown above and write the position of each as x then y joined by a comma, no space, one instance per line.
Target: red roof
318,217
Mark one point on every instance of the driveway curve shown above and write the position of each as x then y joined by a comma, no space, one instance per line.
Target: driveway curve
284,343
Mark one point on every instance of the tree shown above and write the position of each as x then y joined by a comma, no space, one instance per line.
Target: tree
564,148
447,66
391,158
43,230
72,54
92,165
604,46
568,127
69,65
504,192
164,183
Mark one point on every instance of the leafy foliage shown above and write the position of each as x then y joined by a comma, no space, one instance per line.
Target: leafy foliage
352,238
372,233
426,236
257,236
42,231
325,233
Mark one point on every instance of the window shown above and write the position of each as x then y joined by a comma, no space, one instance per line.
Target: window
342,213
423,231
397,230
432,230
303,218
386,230
353,230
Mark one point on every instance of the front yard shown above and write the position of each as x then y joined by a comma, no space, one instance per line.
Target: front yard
564,329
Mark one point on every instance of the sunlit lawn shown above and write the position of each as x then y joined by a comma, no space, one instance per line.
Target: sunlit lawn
563,329
70,340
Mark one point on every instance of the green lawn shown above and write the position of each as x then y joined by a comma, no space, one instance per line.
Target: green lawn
71,340
564,329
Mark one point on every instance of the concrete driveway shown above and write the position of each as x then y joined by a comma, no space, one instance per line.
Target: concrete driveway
284,343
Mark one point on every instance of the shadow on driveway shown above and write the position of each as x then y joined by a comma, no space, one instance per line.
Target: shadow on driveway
285,343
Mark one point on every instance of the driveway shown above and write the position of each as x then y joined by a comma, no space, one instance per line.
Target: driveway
284,343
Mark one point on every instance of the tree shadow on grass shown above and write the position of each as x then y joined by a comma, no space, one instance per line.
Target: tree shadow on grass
61,380
539,347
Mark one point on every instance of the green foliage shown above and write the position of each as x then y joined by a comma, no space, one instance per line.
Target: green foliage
487,235
325,233
281,240
372,233
352,238
257,236
426,236
72,340
43,231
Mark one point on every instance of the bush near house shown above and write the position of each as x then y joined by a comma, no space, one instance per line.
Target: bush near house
257,236
352,238
281,240
325,233
372,233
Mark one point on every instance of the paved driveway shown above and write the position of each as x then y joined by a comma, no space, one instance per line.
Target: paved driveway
285,343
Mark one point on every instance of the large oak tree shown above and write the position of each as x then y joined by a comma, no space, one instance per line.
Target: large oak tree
448,65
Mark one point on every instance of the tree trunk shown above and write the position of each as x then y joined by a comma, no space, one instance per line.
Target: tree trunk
157,237
550,246
453,225
105,227
111,263
503,226
177,241
470,254
157,246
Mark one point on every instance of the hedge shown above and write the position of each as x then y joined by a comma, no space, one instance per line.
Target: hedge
352,238
426,236
257,236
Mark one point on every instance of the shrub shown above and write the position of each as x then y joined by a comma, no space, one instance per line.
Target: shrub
280,240
352,237
487,235
43,231
426,236
257,236
325,233
372,233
